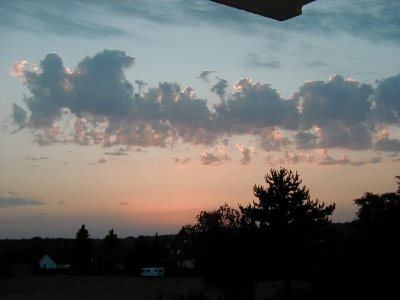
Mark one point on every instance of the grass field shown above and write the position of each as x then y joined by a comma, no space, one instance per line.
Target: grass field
97,287
114,287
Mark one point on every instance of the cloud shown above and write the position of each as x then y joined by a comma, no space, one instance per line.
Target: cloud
357,18
346,101
371,20
257,105
18,68
340,109
19,201
273,139
254,61
245,154
306,139
119,153
327,160
361,17
209,158
317,63
102,160
20,116
55,18
387,100
205,75
388,145
36,158
220,87
182,161
96,104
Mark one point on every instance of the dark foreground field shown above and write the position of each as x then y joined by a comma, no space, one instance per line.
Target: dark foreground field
96,287
118,287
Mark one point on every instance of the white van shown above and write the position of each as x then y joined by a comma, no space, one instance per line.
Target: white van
153,272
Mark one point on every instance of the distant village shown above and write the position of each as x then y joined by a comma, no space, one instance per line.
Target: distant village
141,256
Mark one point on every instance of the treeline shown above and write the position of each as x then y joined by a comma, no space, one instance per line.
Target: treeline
283,236
86,255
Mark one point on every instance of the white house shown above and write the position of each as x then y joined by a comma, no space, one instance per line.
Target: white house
47,263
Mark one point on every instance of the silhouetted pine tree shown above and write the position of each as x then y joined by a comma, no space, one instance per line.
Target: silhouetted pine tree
82,251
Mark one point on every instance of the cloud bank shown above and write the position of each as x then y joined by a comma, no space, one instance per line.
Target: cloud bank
96,104
18,201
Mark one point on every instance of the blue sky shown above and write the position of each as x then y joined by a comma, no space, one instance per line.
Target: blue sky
137,115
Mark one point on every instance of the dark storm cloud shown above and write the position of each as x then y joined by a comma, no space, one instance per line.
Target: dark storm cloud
18,201
96,104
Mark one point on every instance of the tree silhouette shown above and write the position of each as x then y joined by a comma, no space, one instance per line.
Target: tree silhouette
365,252
383,208
285,205
223,218
142,254
157,249
111,241
279,237
292,227
82,251
109,256
378,219
222,251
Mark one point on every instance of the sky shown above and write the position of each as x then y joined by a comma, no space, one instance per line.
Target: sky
137,115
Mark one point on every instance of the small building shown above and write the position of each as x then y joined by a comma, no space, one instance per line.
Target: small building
47,263
55,261
152,272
